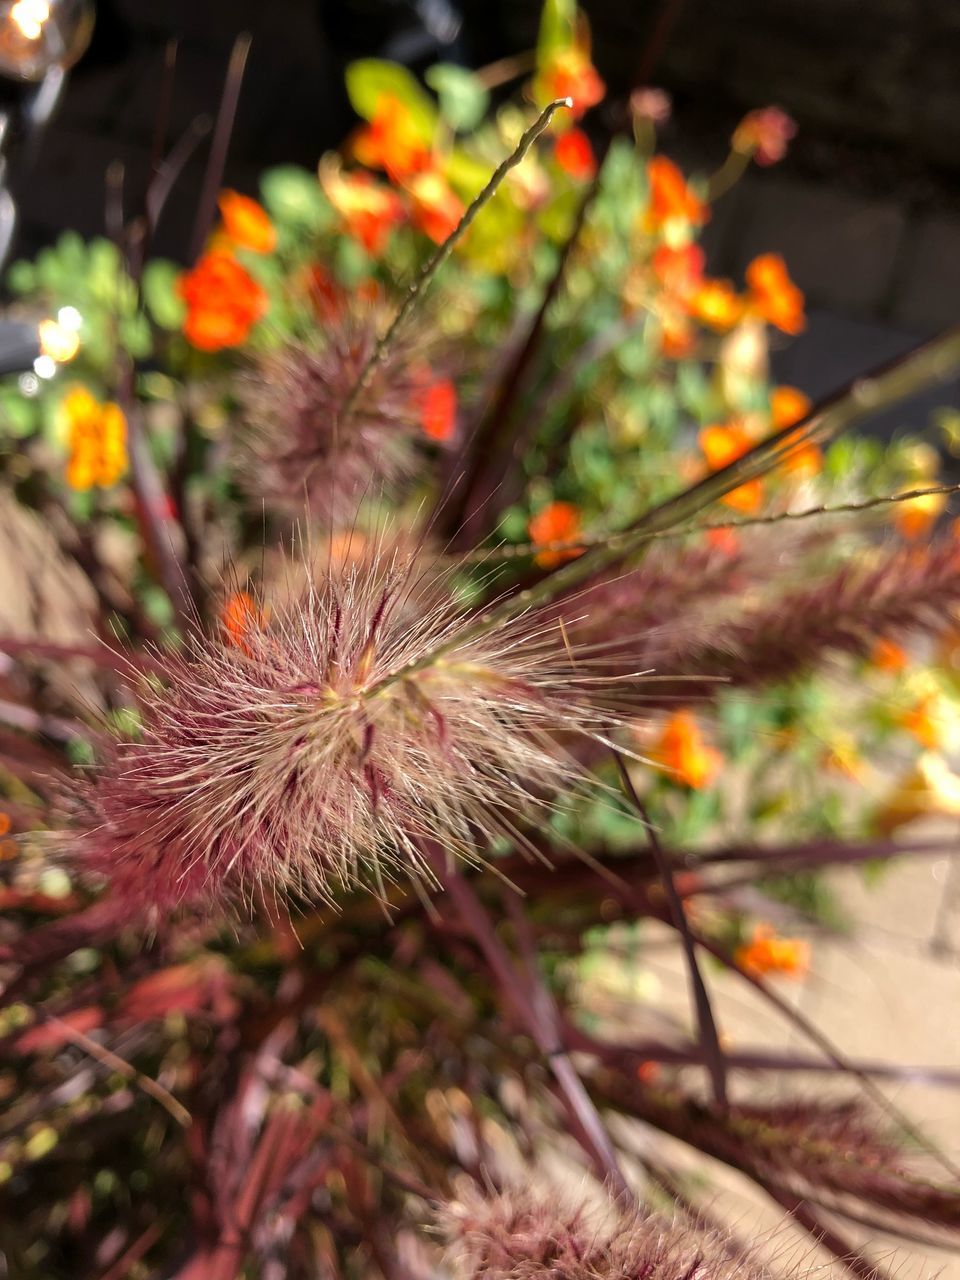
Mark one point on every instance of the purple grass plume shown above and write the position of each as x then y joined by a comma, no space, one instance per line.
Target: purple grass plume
526,1235
319,748
299,448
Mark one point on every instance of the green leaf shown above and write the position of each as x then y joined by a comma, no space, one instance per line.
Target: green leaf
18,415
293,196
22,278
160,296
463,99
370,80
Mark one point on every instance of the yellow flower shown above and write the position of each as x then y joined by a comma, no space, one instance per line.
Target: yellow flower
96,440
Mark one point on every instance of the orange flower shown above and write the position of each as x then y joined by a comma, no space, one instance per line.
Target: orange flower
4,823
671,200
438,410
96,439
240,616
773,295
765,953
717,304
556,522
369,210
923,723
648,1072
571,74
889,656
916,517
787,406
680,270
223,300
764,135
246,223
682,750
843,757
725,443
574,155
391,140
437,209
677,337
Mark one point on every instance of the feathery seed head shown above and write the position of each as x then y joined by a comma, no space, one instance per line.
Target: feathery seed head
347,729
522,1235
300,447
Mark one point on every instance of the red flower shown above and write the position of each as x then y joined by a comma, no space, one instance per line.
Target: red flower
571,74
391,141
556,522
680,271
438,411
723,443
671,199
773,295
223,300
574,155
437,209
369,210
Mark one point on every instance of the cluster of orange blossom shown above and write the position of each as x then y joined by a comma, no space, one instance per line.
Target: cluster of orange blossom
556,522
222,298
684,753
766,953
96,437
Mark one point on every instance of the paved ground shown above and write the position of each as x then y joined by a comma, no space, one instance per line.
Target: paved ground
891,990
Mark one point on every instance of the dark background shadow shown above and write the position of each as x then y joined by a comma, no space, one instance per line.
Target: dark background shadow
866,208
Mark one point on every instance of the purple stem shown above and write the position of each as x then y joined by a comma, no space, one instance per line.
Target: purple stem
713,1053
536,1011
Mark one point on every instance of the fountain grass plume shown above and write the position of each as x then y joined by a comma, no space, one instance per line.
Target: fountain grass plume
287,755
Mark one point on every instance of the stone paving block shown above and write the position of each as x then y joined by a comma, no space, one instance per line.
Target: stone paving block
929,292
902,904
840,248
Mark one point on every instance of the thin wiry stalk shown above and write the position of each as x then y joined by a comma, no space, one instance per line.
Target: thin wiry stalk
223,132
433,264
535,1011
524,550
926,364
709,1037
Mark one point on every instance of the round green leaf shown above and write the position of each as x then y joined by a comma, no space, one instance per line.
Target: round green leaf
370,80
463,99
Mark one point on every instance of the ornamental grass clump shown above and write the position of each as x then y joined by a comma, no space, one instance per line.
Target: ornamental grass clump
334,886
327,744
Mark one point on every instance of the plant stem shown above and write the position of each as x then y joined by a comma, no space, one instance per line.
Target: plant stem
536,1010
709,1037
925,365
430,268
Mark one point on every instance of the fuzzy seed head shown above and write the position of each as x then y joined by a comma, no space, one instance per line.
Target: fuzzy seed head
301,448
323,748
521,1235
